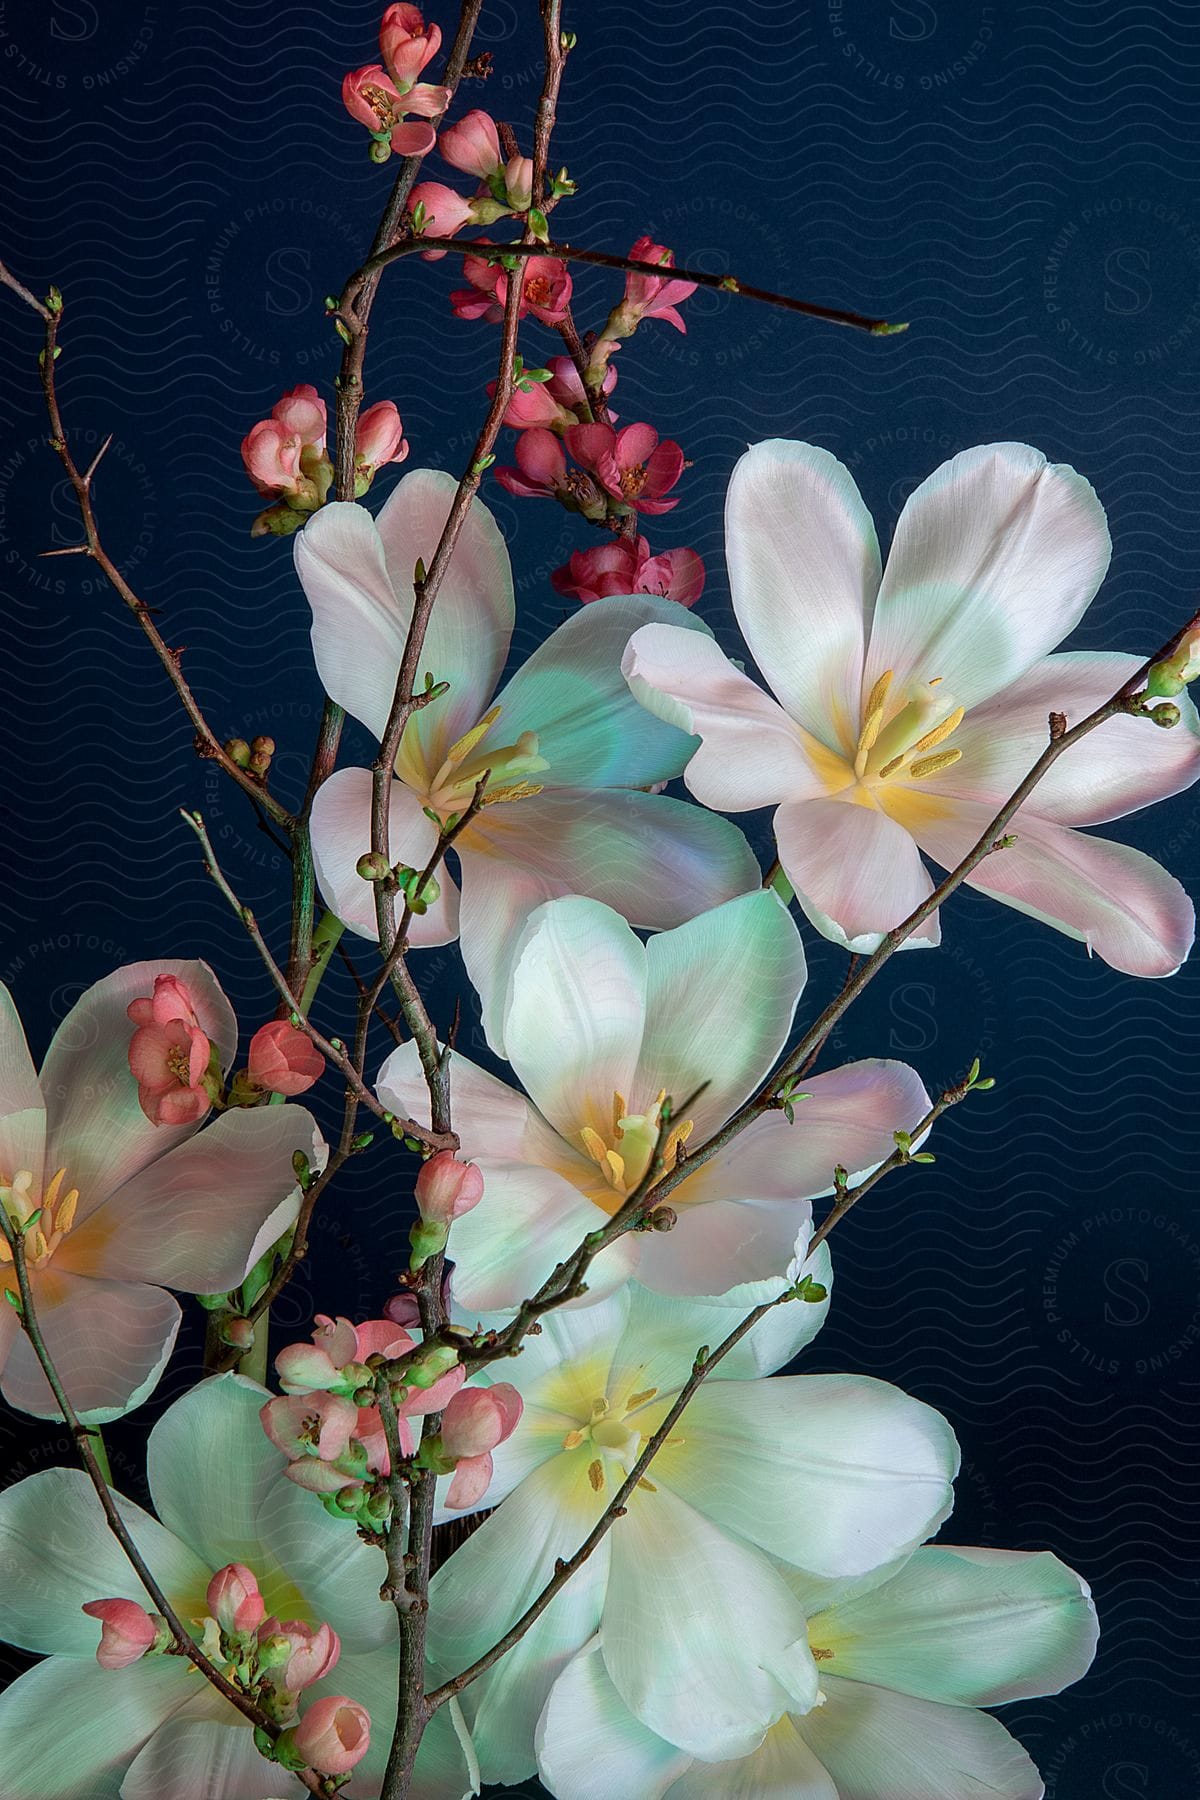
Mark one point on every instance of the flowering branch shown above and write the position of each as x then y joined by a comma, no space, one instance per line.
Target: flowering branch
186,1645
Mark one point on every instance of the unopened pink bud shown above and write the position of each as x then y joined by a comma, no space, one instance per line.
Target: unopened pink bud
333,1736
477,1419
518,182
234,1599
447,1188
446,211
171,999
127,1631
283,1060
472,144
379,438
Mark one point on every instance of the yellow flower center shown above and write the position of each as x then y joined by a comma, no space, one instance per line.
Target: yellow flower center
43,1223
904,741
608,1432
450,789
625,1157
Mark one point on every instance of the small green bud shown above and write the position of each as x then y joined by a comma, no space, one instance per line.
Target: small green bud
426,1365
373,866
380,153
238,751
1165,714
1164,682
426,1238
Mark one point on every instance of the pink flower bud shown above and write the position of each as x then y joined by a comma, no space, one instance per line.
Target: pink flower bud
234,1599
406,43
171,1000
127,1631
469,1483
518,182
379,438
334,1734
446,212
447,1188
283,1060
302,410
310,1425
472,144
477,1419
305,1369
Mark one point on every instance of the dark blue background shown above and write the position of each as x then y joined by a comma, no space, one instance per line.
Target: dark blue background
1020,182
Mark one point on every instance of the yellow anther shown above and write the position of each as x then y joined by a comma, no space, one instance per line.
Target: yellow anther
889,768
648,1485
595,1146
819,1655
615,1169
636,1400
940,733
679,1136
64,1217
873,712
572,1440
467,742
933,765
516,790
620,1108
51,1193
596,1475
35,1244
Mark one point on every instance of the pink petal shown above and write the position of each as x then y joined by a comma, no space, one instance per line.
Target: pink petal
995,559
726,1244
470,1482
414,138
22,1109
540,457
109,1340
1123,765
856,873
341,834
488,1114
1122,904
751,754
803,569
202,1215
96,1129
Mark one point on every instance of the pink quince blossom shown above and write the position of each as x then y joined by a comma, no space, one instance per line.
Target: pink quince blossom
631,464
314,1651
334,1734
376,101
127,1631
542,472
282,1060
302,410
234,1599
626,566
447,212
379,439
169,1055
310,1425
472,144
271,454
649,296
475,1422
518,182
545,290
282,453
406,43
552,404
447,1188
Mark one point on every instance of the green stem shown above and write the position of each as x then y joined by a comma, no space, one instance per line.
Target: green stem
101,1455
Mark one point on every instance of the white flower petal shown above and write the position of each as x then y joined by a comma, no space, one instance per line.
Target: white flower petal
856,872
341,834
109,1341
782,1768
71,1729
201,1759
590,1746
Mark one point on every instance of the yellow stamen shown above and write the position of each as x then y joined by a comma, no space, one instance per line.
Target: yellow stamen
679,1136
516,790
940,733
636,1400
572,1440
51,1193
873,714
648,1485
933,765
35,1244
463,747
615,1168
889,768
595,1146
64,1218
620,1108
820,1655
596,1475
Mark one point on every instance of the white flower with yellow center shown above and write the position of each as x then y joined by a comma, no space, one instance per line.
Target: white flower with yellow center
601,1028
567,751
908,706
829,1476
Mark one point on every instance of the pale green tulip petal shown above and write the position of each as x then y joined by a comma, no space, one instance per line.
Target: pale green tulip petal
969,1626
488,1583
834,1473
590,1746
571,692
803,569
211,1469
57,1552
720,997
338,1575
575,1014
201,1759
71,1729
782,1768
996,557
883,1746
446,1768
702,1640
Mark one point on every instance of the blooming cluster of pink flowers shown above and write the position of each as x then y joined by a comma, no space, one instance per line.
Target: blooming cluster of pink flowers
329,1426
287,460
177,1068
275,1659
383,94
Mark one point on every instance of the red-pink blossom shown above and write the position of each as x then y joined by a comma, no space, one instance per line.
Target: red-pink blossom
333,1736
271,454
553,404
447,1188
310,1425
234,1599
127,1631
379,438
169,1054
542,471
313,1652
446,212
472,144
631,464
282,1060
649,296
545,290
374,99
626,566
406,43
